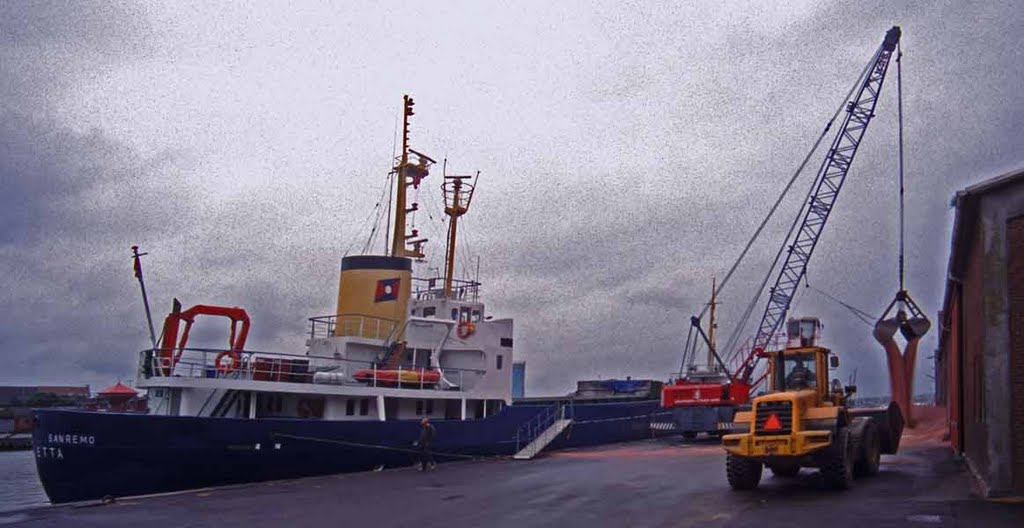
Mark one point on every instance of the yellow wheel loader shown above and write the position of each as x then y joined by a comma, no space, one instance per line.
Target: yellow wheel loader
803,420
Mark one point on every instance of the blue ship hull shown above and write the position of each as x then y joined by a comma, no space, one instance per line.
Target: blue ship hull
84,455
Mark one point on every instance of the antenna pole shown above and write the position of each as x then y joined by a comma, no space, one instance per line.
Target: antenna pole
142,284
391,196
398,240
448,243
476,287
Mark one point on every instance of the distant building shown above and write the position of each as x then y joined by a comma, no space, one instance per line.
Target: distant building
518,379
22,395
118,398
980,363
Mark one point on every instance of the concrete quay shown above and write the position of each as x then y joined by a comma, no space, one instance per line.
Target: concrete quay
656,483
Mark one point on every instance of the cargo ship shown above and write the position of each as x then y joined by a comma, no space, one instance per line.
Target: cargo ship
398,349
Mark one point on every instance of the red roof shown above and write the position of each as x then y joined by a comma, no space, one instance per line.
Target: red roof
117,390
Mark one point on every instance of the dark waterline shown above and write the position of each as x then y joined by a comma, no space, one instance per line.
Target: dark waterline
19,484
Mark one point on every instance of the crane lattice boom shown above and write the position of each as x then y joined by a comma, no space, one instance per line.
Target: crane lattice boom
829,182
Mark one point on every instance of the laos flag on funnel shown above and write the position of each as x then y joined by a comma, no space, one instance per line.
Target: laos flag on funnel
387,290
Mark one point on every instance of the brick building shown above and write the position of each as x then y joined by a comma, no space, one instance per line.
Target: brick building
980,363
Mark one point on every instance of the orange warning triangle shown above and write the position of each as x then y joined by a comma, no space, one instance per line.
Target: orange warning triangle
773,423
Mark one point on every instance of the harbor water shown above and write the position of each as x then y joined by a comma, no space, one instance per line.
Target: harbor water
19,486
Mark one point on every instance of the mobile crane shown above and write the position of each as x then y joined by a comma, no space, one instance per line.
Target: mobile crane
708,401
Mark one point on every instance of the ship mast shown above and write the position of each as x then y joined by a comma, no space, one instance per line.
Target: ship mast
712,325
457,196
408,174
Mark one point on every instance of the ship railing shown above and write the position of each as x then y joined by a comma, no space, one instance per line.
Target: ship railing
352,325
535,426
433,288
294,368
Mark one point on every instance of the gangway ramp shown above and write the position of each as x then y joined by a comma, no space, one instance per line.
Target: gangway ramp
541,441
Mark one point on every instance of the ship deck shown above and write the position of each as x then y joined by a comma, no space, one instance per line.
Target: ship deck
658,482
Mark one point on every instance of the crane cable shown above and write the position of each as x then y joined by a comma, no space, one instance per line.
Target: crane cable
733,338
899,113
864,316
686,351
792,180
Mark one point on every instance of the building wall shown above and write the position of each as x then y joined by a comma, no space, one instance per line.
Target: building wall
953,366
993,386
973,361
1015,297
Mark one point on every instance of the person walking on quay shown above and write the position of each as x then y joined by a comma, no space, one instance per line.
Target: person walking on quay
424,443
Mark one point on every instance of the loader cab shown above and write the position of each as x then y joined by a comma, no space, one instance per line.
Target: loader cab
803,364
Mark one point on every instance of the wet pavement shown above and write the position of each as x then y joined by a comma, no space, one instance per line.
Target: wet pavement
653,483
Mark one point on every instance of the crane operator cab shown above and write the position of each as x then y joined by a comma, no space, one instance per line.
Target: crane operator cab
798,369
803,332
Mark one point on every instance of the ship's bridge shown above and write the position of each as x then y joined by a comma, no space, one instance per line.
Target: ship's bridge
461,305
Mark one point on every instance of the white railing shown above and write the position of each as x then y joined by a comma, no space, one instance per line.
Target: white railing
292,368
351,325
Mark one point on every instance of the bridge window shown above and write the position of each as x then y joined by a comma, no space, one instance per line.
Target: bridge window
429,311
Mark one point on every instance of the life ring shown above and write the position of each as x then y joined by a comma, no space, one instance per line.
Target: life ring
465,329
225,367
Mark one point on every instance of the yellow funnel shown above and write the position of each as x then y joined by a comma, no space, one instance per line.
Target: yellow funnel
373,296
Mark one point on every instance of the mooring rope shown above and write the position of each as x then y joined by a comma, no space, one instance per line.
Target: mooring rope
386,448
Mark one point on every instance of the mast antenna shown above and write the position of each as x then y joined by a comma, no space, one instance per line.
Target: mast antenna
136,256
408,174
457,194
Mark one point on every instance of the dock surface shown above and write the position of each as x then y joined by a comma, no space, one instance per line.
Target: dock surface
657,483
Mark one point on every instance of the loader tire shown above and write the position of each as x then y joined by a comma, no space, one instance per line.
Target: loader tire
743,473
785,470
837,462
867,448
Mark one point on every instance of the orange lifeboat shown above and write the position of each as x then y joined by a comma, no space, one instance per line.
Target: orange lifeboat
395,377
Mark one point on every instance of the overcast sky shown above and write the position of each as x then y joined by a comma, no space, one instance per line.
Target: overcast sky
627,151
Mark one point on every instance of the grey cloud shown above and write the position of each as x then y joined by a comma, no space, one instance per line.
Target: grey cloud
600,230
